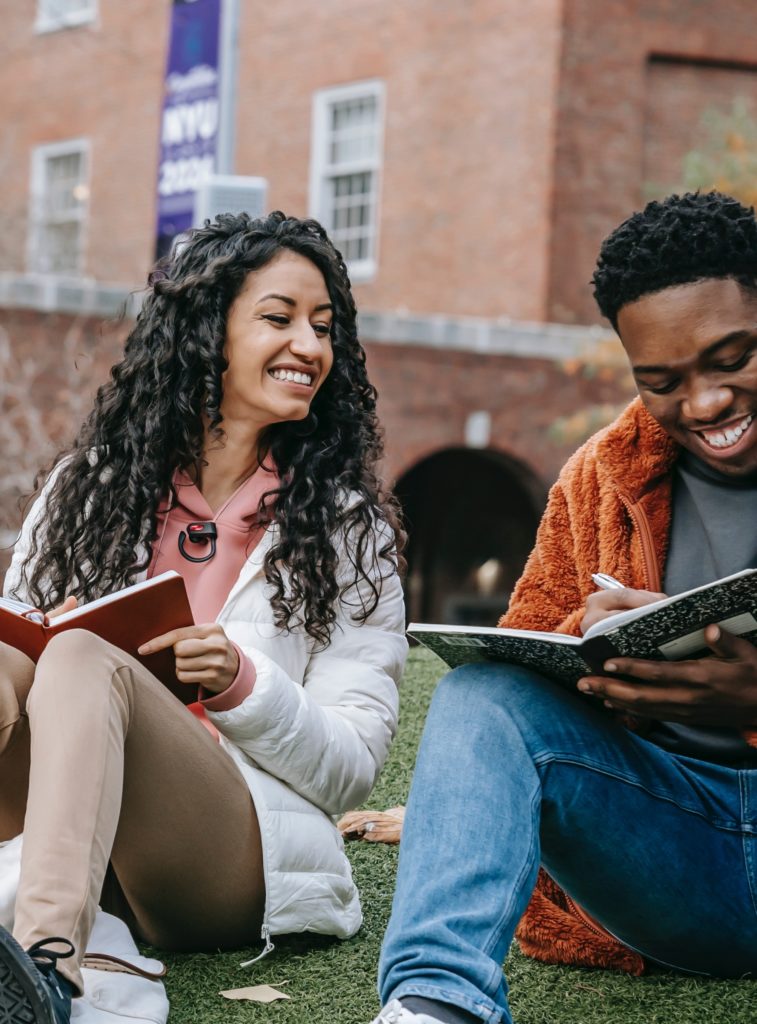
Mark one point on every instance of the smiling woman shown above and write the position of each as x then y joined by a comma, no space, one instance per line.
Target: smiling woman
241,419
278,343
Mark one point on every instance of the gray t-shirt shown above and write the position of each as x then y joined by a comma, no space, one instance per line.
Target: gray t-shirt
713,534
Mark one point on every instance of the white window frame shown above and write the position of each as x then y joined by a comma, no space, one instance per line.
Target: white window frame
322,171
37,194
53,15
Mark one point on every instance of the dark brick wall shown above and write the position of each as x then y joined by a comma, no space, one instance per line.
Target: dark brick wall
50,366
624,121
426,395
675,92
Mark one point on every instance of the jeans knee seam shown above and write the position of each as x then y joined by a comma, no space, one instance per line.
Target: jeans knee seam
747,839
507,909
749,868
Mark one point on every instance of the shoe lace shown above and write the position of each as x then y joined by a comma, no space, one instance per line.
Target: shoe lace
46,959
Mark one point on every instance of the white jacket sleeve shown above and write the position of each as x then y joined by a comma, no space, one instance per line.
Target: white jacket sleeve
13,585
328,738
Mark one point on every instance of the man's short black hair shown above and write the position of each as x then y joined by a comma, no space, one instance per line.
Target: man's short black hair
679,240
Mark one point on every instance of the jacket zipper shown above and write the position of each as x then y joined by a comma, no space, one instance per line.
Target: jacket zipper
268,948
652,582
590,923
649,556
265,931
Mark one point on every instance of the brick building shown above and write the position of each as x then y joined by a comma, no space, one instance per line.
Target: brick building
495,144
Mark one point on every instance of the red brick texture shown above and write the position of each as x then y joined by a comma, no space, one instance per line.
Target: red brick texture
516,135
466,182
425,397
625,121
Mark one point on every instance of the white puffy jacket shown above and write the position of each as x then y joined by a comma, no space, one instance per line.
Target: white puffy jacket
310,740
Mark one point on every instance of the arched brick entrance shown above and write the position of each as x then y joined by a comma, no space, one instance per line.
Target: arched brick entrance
471,516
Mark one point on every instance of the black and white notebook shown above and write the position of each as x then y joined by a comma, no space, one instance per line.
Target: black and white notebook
670,629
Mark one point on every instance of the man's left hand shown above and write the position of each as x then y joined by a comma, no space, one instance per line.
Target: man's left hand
718,691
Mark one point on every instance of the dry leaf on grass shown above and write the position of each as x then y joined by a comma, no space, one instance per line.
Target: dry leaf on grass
373,826
256,993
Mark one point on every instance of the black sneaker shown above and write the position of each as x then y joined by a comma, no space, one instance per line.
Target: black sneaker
31,990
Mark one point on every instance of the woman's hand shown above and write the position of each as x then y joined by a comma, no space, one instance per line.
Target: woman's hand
719,691
68,606
204,655
604,603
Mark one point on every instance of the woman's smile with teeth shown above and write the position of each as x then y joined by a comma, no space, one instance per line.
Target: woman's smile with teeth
728,436
292,375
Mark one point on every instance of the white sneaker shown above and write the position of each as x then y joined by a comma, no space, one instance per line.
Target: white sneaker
395,1013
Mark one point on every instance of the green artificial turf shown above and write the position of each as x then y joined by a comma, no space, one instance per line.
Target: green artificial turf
334,982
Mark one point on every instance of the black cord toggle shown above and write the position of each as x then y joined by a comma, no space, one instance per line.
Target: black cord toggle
199,533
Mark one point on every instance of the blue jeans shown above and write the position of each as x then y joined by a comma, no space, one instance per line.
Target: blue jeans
514,771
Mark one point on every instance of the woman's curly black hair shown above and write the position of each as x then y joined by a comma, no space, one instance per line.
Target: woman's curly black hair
150,418
677,241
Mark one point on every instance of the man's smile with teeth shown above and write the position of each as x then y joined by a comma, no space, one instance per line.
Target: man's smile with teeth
292,375
728,436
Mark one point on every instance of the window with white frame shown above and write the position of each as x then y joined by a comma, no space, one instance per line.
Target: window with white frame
55,14
345,168
59,204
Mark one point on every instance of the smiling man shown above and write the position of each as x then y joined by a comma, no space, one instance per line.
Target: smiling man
647,835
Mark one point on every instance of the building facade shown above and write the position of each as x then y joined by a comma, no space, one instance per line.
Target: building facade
468,156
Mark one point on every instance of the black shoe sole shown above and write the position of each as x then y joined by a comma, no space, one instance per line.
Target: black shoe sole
23,995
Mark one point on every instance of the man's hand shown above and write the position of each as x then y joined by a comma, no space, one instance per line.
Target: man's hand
604,603
719,691
204,655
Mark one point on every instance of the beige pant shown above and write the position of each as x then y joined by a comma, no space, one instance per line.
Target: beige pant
100,764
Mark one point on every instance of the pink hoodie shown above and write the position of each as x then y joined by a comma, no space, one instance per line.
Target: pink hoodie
209,583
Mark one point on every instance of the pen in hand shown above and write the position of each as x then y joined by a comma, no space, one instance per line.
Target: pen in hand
606,582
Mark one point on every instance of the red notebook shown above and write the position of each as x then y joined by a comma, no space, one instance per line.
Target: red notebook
126,619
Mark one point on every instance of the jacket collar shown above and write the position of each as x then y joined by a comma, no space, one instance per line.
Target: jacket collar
635,451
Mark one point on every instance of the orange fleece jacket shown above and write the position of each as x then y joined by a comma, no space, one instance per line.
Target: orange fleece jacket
610,512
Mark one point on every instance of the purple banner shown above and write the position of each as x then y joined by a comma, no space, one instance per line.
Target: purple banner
189,128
